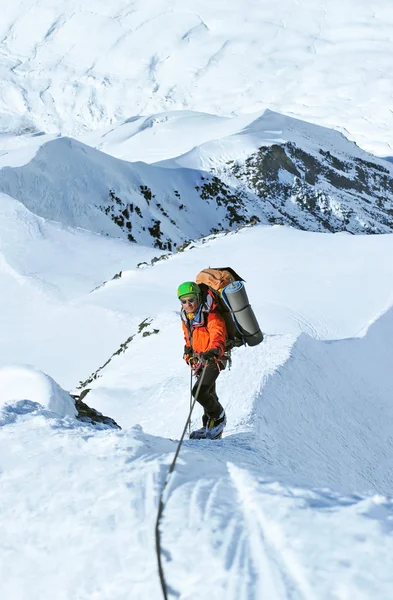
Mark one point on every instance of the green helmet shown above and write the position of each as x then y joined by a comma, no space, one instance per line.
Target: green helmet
187,288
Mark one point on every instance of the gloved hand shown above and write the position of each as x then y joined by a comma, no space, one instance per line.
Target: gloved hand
187,353
194,363
208,356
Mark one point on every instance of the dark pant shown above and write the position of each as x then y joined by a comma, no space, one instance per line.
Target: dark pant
207,393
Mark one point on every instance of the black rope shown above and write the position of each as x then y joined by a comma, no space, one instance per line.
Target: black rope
161,502
189,421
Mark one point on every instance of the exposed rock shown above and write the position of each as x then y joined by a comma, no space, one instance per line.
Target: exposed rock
122,348
318,192
90,415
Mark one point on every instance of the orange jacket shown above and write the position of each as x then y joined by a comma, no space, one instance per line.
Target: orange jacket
213,334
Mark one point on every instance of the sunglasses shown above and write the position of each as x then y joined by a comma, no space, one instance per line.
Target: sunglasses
188,300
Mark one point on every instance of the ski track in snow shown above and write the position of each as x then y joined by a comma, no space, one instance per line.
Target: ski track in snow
278,573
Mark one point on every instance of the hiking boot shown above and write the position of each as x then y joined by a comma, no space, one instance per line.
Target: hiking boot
200,434
215,426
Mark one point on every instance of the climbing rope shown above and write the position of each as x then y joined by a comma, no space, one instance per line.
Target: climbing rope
189,421
167,478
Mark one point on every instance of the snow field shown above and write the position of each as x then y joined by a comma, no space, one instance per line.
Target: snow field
76,511
48,271
73,67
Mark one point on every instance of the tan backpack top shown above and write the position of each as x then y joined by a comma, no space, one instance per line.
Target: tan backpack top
217,279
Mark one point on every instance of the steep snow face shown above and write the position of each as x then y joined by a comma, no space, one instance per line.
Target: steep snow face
70,66
326,402
44,269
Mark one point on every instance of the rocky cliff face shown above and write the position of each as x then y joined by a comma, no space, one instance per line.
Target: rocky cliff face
318,191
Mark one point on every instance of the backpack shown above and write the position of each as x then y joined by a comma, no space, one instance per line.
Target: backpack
232,303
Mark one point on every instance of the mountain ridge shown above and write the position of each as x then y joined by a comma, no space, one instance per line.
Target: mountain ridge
275,170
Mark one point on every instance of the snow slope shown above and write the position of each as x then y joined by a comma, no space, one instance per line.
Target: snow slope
292,387
250,516
44,269
28,389
92,508
320,416
79,186
73,66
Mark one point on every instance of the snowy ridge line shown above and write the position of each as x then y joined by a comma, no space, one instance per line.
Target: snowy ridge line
82,187
192,244
123,347
303,176
161,504
330,384
379,315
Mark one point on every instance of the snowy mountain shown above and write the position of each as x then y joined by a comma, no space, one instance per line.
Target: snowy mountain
140,143
45,267
299,174
274,170
82,187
